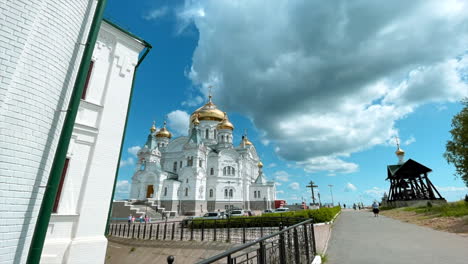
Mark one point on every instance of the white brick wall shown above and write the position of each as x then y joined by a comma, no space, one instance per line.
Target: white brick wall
39,55
76,231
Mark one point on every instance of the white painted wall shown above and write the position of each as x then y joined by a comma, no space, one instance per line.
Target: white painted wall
76,231
39,58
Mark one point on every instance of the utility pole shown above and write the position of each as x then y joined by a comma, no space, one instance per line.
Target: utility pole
312,185
331,192
320,202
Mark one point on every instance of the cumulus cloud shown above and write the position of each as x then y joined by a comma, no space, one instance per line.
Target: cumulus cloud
122,190
156,13
350,187
133,150
127,162
452,189
294,186
194,101
178,121
322,80
410,140
375,192
281,176
272,165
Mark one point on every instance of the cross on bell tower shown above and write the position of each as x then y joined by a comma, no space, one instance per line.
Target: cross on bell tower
312,185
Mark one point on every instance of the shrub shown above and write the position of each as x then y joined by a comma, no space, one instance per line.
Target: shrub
271,219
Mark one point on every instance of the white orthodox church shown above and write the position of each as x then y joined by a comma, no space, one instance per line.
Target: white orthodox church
203,171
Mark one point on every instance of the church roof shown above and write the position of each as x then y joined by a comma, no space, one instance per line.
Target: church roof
261,179
195,137
409,169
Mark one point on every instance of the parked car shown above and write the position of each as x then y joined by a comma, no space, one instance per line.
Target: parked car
282,210
214,215
268,211
236,213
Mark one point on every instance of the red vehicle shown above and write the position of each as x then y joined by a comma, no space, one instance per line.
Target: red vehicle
279,203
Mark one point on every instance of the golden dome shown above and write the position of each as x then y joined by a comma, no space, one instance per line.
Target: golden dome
153,128
196,121
208,112
163,132
399,151
246,141
260,164
225,124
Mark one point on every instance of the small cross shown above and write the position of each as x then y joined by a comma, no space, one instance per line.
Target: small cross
397,140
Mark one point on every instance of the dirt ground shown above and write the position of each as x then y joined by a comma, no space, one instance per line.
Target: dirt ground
458,225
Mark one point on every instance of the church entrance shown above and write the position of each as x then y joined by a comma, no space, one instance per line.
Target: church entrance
149,191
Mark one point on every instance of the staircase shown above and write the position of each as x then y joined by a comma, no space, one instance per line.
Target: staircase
122,209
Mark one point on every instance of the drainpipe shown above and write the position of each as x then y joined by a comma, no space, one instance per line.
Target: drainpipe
43,218
148,48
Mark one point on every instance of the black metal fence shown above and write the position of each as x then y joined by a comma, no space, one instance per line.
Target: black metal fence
240,230
294,244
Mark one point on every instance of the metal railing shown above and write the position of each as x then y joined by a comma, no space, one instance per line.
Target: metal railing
294,244
235,230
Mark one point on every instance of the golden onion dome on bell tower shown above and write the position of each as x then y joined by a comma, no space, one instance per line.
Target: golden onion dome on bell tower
209,111
163,132
153,127
260,164
225,124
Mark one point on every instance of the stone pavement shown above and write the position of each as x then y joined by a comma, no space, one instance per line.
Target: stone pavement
359,237
123,251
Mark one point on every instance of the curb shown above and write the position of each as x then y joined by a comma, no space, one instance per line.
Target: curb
317,260
329,235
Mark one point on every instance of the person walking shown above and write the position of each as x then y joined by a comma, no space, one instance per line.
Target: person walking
130,219
375,208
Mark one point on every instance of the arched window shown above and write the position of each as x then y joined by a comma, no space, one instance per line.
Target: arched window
222,138
200,162
211,192
186,191
230,193
255,194
180,164
225,193
215,134
143,164
175,166
211,171
228,170
258,194
207,133
165,191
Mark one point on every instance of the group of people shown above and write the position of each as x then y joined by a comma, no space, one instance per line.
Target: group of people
141,219
359,206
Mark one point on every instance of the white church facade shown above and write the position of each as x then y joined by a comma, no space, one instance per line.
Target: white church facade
203,171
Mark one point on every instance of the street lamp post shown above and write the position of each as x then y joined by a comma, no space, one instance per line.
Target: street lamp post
331,192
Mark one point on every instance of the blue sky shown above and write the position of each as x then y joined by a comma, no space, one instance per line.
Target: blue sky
321,101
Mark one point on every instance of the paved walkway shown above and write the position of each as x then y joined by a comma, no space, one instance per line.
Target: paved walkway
359,237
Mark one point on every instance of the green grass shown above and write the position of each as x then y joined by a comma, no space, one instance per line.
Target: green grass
456,209
324,258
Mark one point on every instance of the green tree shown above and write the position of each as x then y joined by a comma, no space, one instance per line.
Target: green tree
457,148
